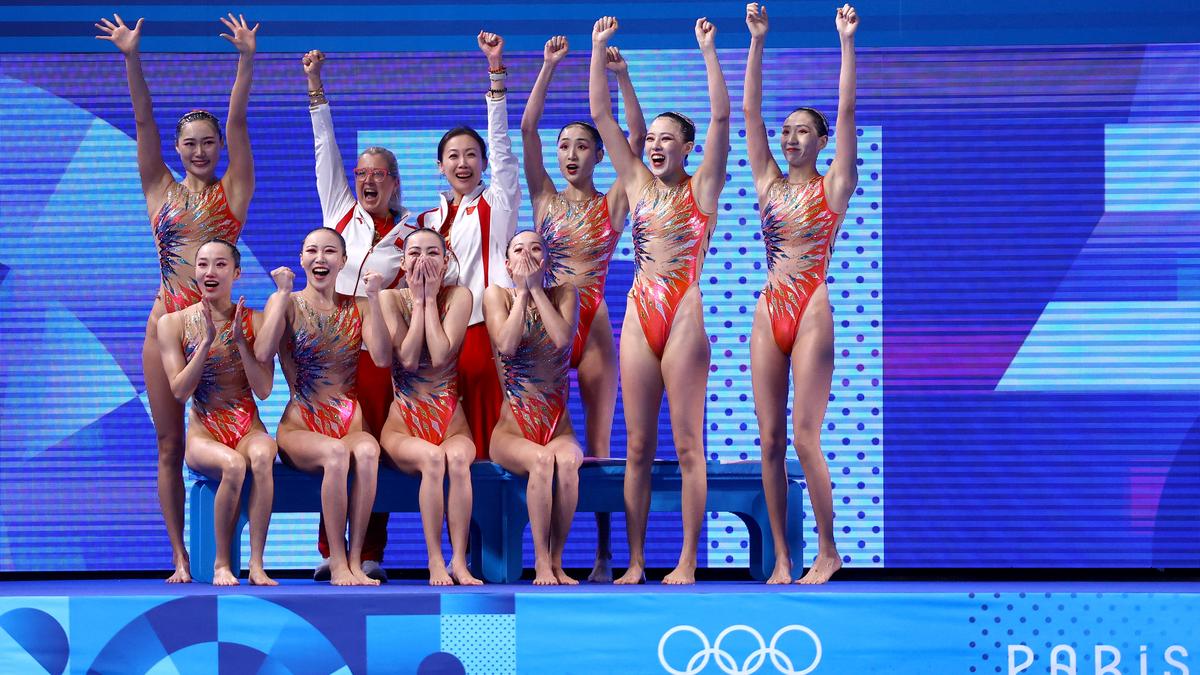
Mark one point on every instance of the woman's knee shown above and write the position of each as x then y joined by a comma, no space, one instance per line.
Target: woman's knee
336,457
233,468
542,465
568,459
366,451
433,462
261,453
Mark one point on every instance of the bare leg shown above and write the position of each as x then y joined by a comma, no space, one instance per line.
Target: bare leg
598,389
460,452
167,414
415,455
769,374
313,452
259,450
685,372
812,372
642,384
536,463
364,458
567,456
219,461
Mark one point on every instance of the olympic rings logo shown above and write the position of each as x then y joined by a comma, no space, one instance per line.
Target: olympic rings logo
726,662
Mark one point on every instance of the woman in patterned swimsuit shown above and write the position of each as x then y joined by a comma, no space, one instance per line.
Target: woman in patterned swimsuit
581,227
426,431
793,324
208,355
184,216
318,333
533,328
663,342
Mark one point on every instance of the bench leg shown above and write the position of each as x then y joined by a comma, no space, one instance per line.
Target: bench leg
796,523
761,544
202,537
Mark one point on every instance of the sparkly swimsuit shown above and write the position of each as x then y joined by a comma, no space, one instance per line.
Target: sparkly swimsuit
670,235
798,228
223,400
535,379
321,362
428,396
186,222
580,241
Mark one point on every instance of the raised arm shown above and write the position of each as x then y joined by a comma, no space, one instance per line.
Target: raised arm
540,185
505,324
506,182
183,375
630,169
710,177
444,336
276,315
156,177
260,374
239,176
374,331
635,121
763,166
842,177
332,187
559,318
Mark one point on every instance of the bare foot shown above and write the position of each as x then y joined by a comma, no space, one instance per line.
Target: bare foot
183,571
258,577
683,575
601,571
223,577
564,578
636,574
361,578
461,575
782,573
822,569
439,576
340,575
543,575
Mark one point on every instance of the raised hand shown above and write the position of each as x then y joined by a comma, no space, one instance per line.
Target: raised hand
239,336
210,328
756,19
123,37
604,29
555,49
313,61
240,34
706,33
284,278
492,46
615,62
846,21
433,279
373,281
534,275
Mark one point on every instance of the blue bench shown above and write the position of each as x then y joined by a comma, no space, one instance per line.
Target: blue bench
732,487
499,514
299,492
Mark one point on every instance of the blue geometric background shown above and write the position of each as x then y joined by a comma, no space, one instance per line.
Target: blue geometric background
1016,294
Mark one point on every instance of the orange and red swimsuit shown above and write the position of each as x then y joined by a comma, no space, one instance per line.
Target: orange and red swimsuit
580,241
670,235
428,396
535,379
222,400
798,229
186,222
321,362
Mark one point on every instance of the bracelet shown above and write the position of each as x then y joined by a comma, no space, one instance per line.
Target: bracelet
316,98
498,71
497,76
495,94
319,91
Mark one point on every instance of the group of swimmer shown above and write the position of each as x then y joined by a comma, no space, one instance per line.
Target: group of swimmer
411,333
